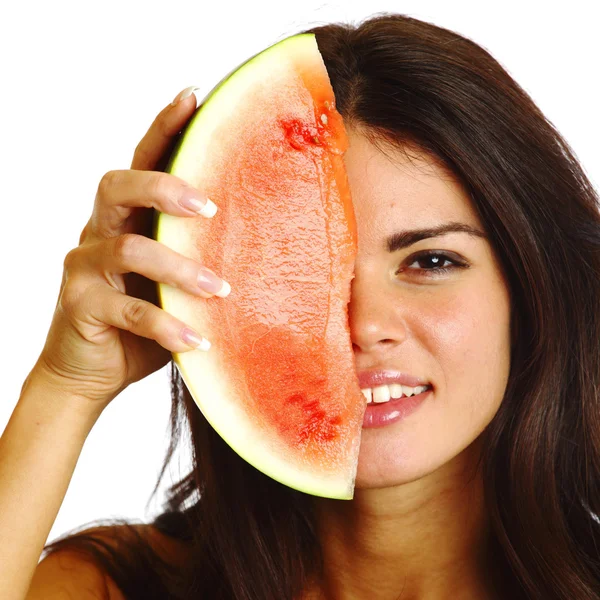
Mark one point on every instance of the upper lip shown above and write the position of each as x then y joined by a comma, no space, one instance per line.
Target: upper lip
371,379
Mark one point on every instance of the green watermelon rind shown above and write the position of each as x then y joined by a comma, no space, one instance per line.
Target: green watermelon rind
239,435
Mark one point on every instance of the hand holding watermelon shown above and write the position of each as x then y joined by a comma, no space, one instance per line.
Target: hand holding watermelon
285,237
107,330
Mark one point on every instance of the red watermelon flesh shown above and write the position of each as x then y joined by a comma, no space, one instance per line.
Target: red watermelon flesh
279,383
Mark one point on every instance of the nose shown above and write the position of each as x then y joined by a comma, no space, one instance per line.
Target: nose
376,319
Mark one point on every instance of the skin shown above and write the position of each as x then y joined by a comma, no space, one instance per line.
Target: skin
418,522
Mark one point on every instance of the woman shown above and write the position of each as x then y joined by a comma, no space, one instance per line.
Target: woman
489,490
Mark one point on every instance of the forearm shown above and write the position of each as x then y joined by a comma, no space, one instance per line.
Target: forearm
38,453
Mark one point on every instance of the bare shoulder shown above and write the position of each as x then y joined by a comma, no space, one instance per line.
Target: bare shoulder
64,574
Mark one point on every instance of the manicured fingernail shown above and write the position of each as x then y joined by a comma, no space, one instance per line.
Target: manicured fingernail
185,94
213,284
224,291
191,200
193,339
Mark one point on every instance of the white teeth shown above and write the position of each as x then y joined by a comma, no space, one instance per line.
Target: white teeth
396,390
383,393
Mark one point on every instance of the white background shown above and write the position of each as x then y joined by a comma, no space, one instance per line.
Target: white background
80,84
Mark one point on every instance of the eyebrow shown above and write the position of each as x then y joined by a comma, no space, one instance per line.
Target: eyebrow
403,239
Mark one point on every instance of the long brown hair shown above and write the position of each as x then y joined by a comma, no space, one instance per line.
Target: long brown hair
403,81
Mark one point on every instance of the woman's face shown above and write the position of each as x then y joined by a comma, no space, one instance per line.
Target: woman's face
451,329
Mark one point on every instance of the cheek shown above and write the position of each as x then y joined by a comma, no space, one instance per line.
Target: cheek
468,333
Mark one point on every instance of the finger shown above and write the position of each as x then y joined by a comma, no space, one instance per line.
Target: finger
120,193
132,253
159,137
110,307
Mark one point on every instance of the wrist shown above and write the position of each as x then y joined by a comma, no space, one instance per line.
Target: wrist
54,395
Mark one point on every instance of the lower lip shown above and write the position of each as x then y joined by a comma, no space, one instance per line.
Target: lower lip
386,413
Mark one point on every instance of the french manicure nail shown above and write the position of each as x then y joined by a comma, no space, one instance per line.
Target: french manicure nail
191,200
213,284
185,94
193,339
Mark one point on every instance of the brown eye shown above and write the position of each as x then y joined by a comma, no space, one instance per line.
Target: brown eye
432,263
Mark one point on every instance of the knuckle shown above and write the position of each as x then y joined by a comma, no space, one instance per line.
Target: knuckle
128,246
157,185
135,312
108,181
71,296
70,259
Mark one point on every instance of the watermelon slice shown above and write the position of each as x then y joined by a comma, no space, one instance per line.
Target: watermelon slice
279,383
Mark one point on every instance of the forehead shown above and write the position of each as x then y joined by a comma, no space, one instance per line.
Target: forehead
391,190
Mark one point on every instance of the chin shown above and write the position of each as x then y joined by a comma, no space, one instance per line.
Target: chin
396,466
402,459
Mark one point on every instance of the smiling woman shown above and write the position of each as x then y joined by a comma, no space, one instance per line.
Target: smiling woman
477,276
449,328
